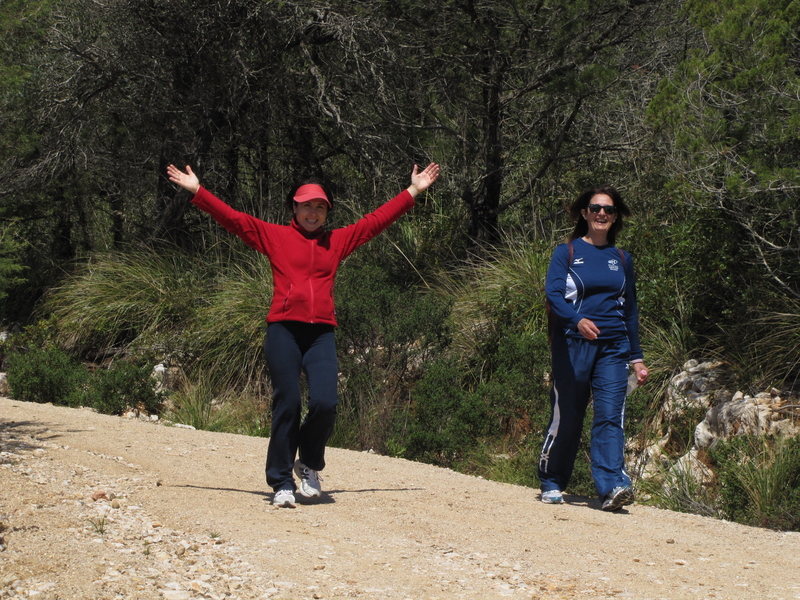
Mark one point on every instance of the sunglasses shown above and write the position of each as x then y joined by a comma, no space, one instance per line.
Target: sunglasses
596,208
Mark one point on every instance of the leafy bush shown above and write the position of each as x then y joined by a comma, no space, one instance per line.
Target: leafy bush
388,335
454,414
446,420
41,372
45,375
125,384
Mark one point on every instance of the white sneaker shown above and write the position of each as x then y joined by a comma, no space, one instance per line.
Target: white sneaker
284,499
618,497
309,480
552,497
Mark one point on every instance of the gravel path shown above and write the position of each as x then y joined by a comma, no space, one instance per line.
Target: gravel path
93,506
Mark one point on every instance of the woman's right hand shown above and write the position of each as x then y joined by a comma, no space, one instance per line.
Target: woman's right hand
187,180
588,329
422,180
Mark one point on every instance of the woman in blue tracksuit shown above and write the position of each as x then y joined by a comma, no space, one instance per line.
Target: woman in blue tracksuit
595,341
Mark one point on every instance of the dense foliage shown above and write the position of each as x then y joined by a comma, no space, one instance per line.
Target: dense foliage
49,375
689,107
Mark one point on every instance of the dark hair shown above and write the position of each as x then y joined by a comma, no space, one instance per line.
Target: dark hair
582,226
289,202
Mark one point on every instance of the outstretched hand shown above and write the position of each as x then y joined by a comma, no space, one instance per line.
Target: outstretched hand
422,180
187,180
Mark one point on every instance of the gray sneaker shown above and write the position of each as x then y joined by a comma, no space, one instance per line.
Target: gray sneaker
284,499
617,498
552,497
309,480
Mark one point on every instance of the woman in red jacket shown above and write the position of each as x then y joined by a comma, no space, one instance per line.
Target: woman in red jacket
300,324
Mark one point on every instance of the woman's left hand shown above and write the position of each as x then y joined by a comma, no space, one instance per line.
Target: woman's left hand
641,372
421,181
187,180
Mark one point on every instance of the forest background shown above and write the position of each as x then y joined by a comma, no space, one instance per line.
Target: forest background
690,107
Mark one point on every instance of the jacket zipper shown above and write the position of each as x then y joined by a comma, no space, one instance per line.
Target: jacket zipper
311,281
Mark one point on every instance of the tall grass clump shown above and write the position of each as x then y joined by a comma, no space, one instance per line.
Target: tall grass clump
774,347
228,329
505,463
199,404
500,290
759,480
667,343
205,313
114,300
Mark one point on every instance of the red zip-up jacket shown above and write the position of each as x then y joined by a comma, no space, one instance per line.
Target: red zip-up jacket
303,264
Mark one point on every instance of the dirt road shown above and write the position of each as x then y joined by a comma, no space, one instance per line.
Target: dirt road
184,514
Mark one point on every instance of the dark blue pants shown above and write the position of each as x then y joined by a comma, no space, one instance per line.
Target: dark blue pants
290,347
584,368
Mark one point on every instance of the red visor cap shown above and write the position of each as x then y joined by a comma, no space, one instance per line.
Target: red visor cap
311,191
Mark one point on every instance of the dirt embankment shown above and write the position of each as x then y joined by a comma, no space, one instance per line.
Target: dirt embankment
184,514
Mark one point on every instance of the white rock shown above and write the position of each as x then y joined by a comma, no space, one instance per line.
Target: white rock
688,464
176,594
703,436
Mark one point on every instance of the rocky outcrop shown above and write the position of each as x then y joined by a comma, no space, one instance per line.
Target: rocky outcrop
765,414
701,385
696,386
729,413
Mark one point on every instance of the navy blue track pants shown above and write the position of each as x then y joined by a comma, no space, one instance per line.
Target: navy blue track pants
291,347
584,368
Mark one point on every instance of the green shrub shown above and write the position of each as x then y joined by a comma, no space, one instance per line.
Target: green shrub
504,410
388,335
445,420
127,383
38,371
45,375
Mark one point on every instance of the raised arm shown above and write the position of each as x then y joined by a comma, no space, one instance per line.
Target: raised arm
421,181
187,180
